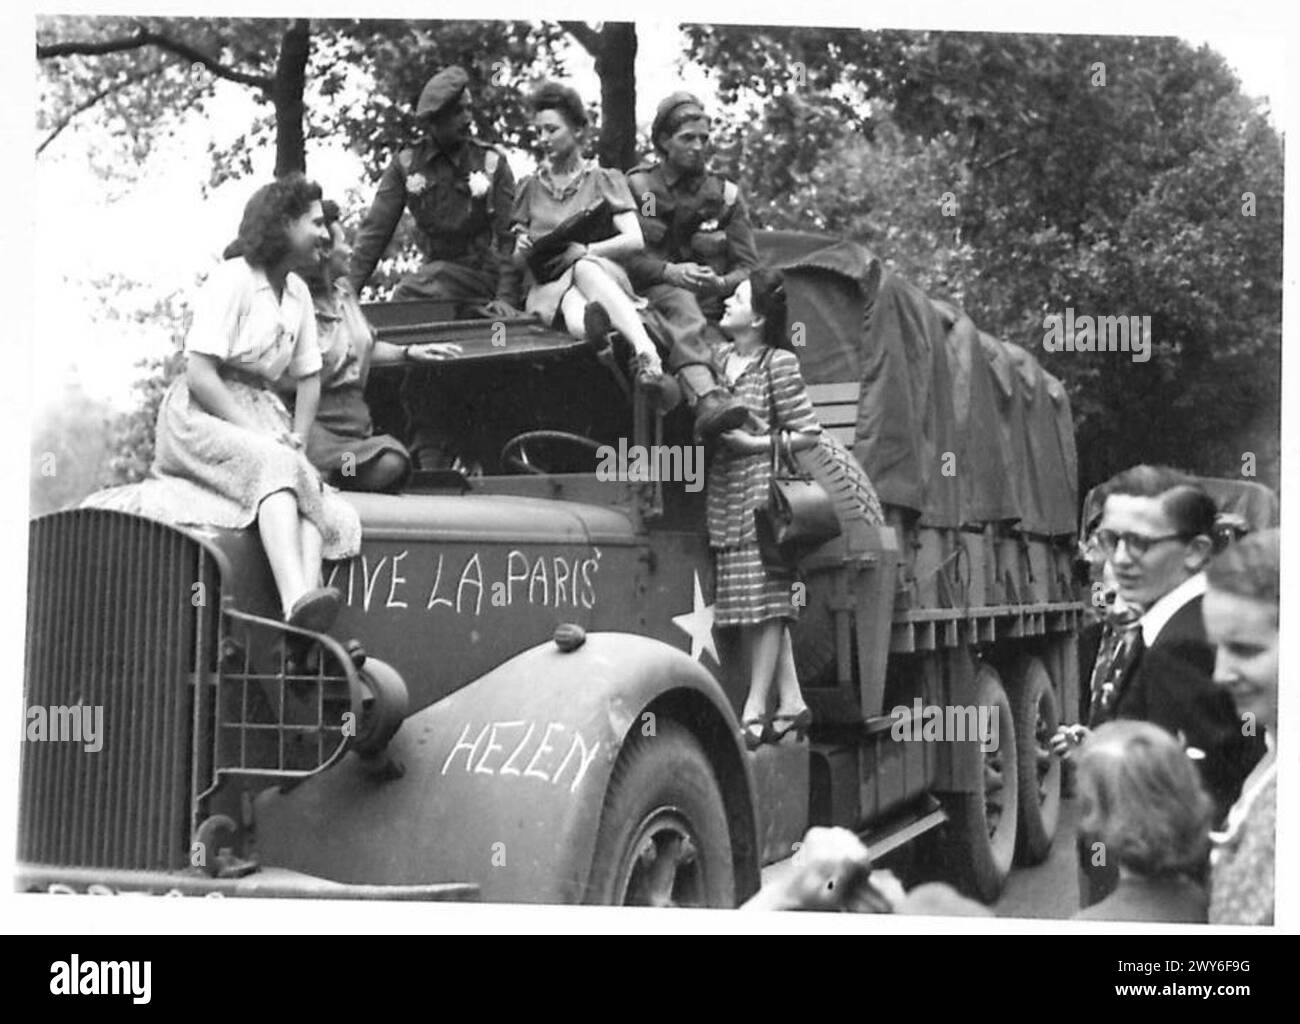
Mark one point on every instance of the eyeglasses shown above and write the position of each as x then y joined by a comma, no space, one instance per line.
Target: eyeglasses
1137,544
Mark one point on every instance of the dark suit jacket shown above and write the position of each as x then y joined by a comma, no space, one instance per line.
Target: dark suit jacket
1171,685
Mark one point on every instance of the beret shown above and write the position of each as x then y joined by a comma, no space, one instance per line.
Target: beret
669,106
442,89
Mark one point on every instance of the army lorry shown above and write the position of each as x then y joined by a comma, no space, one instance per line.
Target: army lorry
525,697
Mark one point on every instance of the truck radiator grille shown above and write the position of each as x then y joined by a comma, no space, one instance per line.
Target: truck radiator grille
112,624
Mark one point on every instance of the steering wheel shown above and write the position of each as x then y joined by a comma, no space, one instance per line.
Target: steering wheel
514,455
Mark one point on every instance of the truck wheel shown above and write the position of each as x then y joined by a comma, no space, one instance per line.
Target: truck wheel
663,838
982,825
1037,715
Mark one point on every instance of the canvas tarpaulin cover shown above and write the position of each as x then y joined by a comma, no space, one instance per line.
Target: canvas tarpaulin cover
953,425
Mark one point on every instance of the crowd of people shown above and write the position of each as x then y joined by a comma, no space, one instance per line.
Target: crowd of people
1177,762
1176,754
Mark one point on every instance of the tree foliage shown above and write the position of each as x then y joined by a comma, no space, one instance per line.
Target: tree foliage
1017,174
1105,174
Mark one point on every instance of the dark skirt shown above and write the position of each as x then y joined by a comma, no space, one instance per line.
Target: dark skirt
343,437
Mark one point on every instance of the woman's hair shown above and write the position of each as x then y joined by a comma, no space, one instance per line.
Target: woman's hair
562,99
1142,799
331,211
263,238
767,299
1250,567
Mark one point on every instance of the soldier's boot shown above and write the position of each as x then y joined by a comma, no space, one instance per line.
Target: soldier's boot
716,409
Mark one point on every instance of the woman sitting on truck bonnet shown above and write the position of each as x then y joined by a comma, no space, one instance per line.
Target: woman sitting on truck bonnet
343,444
765,375
580,281
226,452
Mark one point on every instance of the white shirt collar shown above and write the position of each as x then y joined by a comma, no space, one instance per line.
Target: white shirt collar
1164,609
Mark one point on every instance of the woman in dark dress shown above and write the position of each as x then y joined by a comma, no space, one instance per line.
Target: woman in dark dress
592,292
343,444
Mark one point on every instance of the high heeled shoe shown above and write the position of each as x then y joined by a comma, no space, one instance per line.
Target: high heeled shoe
648,369
797,723
755,732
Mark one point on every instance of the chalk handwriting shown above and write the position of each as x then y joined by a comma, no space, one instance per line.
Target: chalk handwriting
556,753
457,582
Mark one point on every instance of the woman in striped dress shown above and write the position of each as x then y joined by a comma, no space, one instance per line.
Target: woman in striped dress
765,376
760,601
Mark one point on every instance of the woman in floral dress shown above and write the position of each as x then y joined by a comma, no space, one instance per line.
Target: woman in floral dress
226,451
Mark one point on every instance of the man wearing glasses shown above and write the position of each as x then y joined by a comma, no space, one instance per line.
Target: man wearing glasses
1155,532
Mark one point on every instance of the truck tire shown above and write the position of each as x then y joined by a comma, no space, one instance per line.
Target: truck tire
981,832
663,837
1037,714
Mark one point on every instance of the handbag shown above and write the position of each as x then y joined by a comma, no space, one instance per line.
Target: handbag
552,253
799,515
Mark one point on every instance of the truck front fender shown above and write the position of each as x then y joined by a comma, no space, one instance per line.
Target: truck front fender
504,780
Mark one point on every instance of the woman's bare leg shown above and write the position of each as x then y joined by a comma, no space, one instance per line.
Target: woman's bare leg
789,700
574,305
597,286
310,545
763,643
277,525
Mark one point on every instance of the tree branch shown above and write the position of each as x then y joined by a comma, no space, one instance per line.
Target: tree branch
85,105
146,37
587,36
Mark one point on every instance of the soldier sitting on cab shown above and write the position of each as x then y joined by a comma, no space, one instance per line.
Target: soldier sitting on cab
461,193
698,247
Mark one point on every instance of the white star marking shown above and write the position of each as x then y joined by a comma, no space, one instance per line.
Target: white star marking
699,624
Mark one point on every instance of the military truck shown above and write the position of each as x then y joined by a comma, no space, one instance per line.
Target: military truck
525,697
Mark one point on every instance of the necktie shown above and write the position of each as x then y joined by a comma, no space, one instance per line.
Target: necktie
1110,675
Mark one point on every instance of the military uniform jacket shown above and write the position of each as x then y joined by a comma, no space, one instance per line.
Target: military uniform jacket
691,219
461,203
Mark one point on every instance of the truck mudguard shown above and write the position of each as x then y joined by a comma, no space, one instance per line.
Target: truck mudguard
503,780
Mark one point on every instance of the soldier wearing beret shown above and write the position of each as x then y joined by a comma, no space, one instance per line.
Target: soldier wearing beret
698,247
460,192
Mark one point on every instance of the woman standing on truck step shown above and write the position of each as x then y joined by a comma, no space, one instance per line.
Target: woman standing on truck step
766,378
343,444
226,452
581,282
